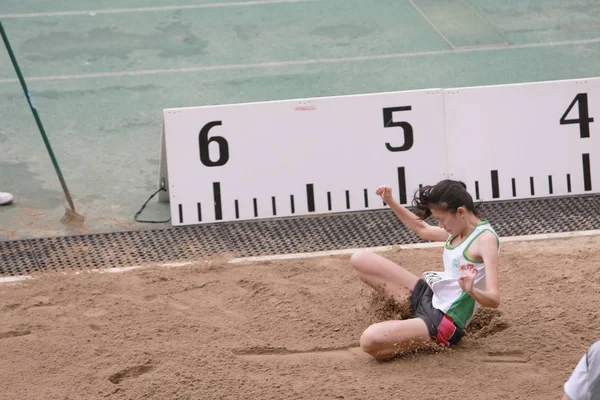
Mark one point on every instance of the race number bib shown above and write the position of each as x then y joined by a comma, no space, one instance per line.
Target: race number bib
433,277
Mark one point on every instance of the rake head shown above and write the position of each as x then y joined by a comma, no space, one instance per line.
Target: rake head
72,218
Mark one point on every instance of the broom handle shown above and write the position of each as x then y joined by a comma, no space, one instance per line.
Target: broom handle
37,118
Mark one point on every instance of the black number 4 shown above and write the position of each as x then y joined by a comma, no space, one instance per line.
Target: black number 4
584,116
388,122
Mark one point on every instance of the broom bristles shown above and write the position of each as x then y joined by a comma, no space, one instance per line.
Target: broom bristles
72,218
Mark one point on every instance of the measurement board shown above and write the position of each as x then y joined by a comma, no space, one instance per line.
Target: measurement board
298,157
526,140
325,155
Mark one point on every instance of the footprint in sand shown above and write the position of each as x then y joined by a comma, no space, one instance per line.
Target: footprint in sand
129,373
178,306
17,333
11,307
95,313
511,356
40,301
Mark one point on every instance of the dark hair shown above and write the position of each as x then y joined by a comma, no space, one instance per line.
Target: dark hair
447,195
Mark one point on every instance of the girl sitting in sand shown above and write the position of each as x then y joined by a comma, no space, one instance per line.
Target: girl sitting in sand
442,302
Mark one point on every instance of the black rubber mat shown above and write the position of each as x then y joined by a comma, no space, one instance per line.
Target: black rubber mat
279,236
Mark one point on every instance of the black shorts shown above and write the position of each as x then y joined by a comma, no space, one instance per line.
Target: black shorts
440,326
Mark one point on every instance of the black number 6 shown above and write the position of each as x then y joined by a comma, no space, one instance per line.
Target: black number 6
205,141
408,130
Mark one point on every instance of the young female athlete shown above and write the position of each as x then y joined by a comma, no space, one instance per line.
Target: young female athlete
442,303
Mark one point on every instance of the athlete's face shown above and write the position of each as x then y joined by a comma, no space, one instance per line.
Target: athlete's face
453,223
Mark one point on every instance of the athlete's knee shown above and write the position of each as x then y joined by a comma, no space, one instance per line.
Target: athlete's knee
360,260
372,341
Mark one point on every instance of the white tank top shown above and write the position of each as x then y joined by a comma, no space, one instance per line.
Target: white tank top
448,296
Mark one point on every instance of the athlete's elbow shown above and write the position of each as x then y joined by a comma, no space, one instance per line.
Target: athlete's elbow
423,236
423,233
494,302
489,299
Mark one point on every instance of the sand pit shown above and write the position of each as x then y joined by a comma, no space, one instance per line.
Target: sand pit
289,330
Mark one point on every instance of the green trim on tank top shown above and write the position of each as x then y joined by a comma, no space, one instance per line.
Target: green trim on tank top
471,242
447,245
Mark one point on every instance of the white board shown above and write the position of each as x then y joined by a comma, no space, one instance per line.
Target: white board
516,131
163,175
300,157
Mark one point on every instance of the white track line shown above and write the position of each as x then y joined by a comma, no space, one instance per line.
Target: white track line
10,279
545,236
177,264
279,64
149,9
432,24
526,238
116,270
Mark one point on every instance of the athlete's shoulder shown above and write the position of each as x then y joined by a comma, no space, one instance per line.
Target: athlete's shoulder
486,240
487,229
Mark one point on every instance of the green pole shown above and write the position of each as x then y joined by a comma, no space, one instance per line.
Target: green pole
37,117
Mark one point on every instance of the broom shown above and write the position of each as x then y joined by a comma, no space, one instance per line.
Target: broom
71,217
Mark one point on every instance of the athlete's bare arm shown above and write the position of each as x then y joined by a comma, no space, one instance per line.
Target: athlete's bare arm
412,222
485,248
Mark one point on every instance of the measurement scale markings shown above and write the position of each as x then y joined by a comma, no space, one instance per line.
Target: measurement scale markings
402,185
587,173
310,197
402,189
495,185
587,181
217,198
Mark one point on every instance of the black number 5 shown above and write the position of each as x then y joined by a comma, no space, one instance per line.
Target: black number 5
408,130
205,141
